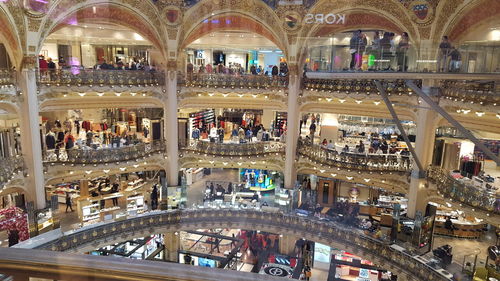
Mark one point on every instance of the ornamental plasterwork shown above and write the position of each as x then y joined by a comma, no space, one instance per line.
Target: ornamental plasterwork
383,7
444,15
34,24
17,14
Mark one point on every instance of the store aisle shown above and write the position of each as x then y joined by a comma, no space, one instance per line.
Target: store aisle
195,192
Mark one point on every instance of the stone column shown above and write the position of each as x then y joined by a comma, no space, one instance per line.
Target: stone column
292,131
287,245
424,147
30,133
171,130
172,244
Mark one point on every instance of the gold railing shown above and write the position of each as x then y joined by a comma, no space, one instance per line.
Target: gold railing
235,149
478,92
85,77
22,264
467,194
310,228
245,81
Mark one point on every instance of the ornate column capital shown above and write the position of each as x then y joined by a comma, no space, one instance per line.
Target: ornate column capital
29,62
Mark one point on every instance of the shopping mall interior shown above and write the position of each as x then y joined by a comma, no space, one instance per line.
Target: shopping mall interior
261,139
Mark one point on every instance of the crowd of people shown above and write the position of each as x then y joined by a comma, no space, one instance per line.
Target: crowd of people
389,51
236,69
48,65
239,134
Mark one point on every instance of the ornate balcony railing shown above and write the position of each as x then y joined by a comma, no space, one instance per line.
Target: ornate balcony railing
22,264
9,167
7,77
356,86
355,161
80,77
470,195
311,228
235,149
226,81
104,155
478,92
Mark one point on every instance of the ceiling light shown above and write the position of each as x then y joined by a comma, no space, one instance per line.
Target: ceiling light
135,166
105,171
341,101
466,111
367,180
480,113
88,172
118,94
123,169
71,172
211,94
133,94
100,94
254,96
358,101
349,178
376,102
498,115
82,94
333,175
225,95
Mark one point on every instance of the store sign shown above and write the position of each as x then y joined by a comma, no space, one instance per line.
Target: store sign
324,19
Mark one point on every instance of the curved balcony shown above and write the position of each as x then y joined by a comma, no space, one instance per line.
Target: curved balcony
100,78
227,81
470,195
235,149
357,86
314,229
9,168
103,155
355,161
485,92
7,78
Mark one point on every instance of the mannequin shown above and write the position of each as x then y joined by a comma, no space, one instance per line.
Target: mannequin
50,140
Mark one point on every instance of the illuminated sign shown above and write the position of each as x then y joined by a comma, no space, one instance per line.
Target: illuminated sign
324,19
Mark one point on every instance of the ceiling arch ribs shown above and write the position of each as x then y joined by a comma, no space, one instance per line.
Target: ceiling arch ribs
13,33
254,10
141,16
392,11
471,17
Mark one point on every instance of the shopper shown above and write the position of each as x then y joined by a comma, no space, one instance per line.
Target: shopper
456,60
68,202
385,51
69,140
361,147
154,197
357,46
331,145
114,189
448,224
312,131
402,52
443,54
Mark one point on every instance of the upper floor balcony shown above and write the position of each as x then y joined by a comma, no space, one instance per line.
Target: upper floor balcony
10,167
234,81
356,161
228,90
103,155
7,78
464,192
479,92
259,155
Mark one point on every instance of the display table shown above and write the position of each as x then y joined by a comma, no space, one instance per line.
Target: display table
462,228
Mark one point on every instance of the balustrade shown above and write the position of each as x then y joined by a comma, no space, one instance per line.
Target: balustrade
7,77
357,161
235,149
79,77
478,92
245,81
104,155
311,228
355,86
9,167
470,195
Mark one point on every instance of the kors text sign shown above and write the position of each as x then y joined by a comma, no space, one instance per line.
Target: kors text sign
324,19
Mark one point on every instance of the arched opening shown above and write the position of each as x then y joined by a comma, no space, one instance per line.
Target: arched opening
9,43
478,41
332,47
95,34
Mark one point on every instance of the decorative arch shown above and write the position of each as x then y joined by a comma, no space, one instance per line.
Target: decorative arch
478,14
9,36
140,17
230,22
391,11
255,10
359,20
